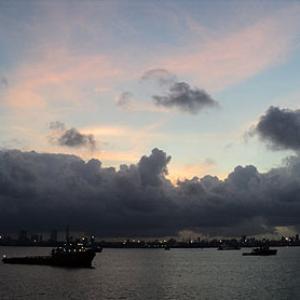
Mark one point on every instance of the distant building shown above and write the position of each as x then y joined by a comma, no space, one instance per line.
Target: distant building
53,235
23,236
34,238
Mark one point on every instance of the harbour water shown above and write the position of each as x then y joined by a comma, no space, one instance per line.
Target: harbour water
157,274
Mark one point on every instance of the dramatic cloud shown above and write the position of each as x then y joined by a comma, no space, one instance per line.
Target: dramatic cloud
70,137
179,95
281,128
187,99
44,191
73,138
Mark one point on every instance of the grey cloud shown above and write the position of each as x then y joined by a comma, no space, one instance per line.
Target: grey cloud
280,128
187,99
125,99
43,191
153,168
180,94
70,137
209,161
3,82
57,125
162,76
73,138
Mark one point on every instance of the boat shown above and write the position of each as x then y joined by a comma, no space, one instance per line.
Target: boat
67,256
261,251
166,247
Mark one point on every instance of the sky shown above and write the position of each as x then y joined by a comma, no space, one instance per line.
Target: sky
163,95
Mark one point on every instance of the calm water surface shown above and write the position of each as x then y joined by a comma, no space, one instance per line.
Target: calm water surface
157,274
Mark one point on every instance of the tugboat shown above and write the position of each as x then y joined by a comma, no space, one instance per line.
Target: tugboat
263,250
70,255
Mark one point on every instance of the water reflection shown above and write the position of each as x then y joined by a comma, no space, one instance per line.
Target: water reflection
157,274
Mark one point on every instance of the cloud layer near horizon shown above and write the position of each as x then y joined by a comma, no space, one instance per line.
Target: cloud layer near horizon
44,191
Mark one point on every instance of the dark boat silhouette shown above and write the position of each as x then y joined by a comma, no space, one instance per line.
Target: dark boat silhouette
261,251
74,255
68,256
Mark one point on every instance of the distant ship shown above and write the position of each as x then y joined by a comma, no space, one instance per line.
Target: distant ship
75,255
261,251
67,256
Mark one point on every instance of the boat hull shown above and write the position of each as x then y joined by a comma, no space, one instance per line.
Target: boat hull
268,253
75,260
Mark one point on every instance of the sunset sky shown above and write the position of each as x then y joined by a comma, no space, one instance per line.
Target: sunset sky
70,62
113,80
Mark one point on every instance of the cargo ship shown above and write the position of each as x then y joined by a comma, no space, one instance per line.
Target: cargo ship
76,256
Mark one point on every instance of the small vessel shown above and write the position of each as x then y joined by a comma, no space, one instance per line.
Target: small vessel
166,247
67,256
261,251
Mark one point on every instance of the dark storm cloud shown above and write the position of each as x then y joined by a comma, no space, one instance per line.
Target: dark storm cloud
281,128
180,94
187,99
70,137
153,168
73,138
42,191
